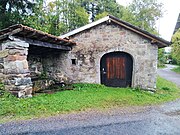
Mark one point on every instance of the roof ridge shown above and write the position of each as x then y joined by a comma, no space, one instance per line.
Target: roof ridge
123,24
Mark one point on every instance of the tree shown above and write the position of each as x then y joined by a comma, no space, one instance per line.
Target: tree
176,47
110,7
100,8
68,15
38,19
141,13
101,15
161,57
57,17
14,11
77,15
91,7
61,16
146,13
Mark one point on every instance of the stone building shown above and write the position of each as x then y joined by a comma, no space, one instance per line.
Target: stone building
25,54
115,53
108,51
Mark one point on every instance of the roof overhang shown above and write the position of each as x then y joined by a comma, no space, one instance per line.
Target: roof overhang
35,37
153,38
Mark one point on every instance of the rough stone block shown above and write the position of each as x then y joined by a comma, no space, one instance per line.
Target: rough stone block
16,51
1,66
22,81
25,65
16,57
16,44
11,58
3,53
26,92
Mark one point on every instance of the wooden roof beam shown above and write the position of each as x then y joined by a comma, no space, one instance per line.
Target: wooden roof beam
10,33
31,34
45,44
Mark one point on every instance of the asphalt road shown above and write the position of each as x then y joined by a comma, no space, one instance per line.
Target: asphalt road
156,120
169,75
150,120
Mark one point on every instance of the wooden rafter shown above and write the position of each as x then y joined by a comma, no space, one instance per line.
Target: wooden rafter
45,44
10,33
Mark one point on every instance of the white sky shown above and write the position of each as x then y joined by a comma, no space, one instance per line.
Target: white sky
167,23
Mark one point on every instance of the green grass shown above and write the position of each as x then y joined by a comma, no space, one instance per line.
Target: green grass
85,96
177,69
161,64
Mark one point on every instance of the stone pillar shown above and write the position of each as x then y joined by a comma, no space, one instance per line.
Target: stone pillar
16,71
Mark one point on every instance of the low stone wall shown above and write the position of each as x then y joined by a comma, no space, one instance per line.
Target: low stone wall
14,69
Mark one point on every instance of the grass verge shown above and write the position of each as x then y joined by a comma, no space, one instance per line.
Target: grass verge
84,96
161,65
177,69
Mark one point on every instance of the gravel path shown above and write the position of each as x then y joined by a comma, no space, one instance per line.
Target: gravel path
169,75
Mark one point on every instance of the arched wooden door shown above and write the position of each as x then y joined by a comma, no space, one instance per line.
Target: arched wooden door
116,69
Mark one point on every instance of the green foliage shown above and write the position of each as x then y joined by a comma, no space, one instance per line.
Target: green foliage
77,17
165,88
161,58
13,12
99,16
111,7
141,13
146,13
128,16
177,69
176,47
84,96
98,9
57,17
61,16
163,84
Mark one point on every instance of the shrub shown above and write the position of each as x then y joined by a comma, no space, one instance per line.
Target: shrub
165,88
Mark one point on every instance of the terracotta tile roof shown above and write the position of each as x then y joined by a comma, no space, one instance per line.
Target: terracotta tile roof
20,30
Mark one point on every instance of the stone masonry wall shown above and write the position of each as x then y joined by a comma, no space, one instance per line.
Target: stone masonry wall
14,70
46,69
93,43
55,65
35,65
51,65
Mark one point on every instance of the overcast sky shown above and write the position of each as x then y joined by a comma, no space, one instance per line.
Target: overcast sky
167,23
